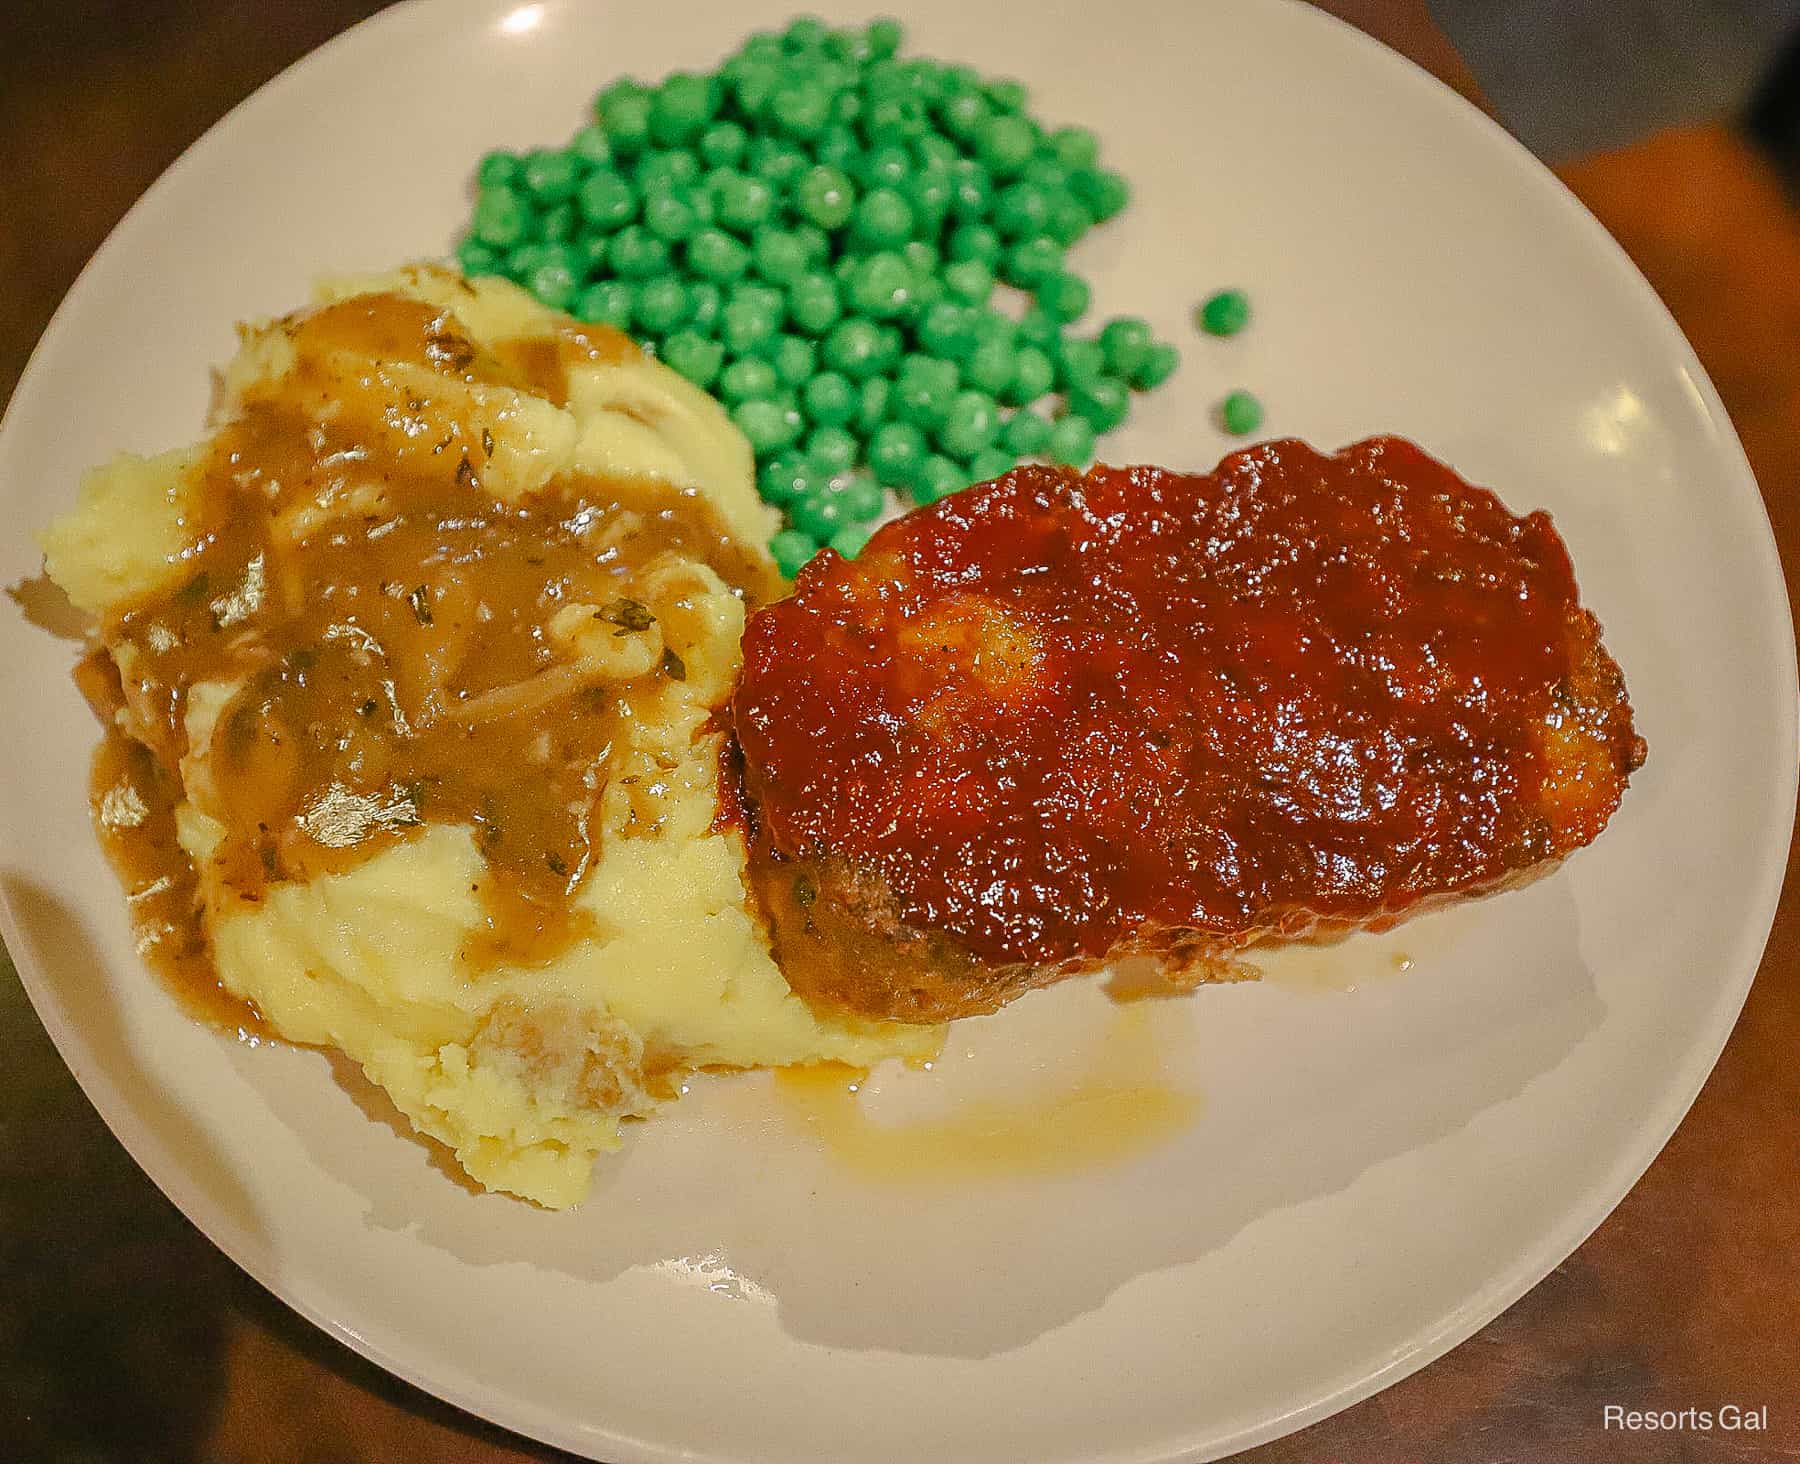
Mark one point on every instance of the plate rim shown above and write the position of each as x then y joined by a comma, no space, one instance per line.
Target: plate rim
1581,1217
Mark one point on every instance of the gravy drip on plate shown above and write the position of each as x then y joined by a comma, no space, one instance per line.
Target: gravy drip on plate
385,619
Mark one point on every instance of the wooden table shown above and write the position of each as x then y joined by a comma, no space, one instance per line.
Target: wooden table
124,1335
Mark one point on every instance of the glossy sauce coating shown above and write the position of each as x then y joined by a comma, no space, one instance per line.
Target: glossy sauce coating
393,654
1056,712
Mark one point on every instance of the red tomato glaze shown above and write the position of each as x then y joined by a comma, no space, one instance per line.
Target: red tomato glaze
1057,709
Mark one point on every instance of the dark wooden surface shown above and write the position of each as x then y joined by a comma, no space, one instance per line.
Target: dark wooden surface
125,1336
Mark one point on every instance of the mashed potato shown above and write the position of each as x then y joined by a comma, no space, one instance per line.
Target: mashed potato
427,638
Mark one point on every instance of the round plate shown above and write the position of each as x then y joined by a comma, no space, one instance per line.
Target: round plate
1334,1185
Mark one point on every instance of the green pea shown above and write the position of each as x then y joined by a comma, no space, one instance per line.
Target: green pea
846,107
800,109
761,47
1158,365
1043,170
806,33
776,163
991,463
813,303
1105,402
748,378
665,170
555,284
819,514
935,151
921,256
778,256
816,242
549,176
880,286
794,357
741,202
1102,193
1020,210
694,356
970,424
502,218
938,477
923,391
722,145
626,88
975,241
635,253
964,114
791,549
1037,329
851,540
1126,341
873,400
854,348
1066,220
475,258
1225,313
896,450
497,169
680,109
786,477
1240,413
989,367
751,315
668,217
1030,262
705,301
715,255
833,449
557,225
883,37
838,147
753,85
609,302
1008,95
606,200
883,220
971,189
590,146
1080,363
829,399
928,193
659,305
970,281
947,330
1026,434
927,290
895,119
1004,143
826,197
1062,296
766,424
1074,147
1071,441
862,499
627,122
1033,376
884,166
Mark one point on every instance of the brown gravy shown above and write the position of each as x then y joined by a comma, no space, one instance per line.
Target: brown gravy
393,652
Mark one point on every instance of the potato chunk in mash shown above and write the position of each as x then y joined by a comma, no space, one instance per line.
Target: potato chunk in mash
411,668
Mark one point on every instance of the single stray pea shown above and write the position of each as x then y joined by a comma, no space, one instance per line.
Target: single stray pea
1240,413
1225,312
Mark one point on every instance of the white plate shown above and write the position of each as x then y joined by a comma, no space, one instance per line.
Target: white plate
1369,1175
